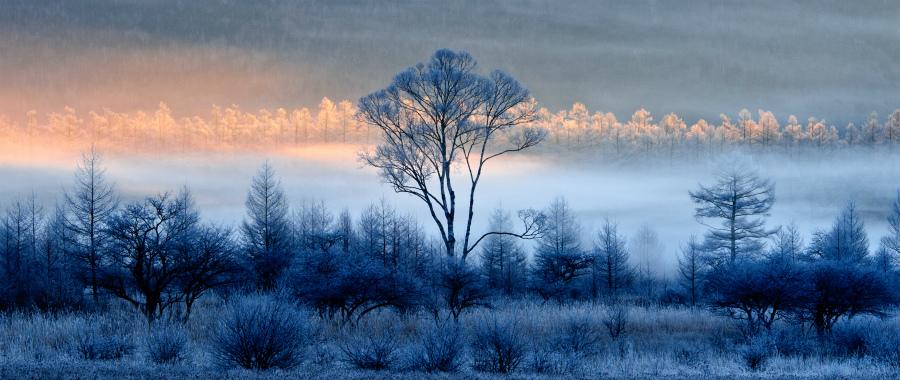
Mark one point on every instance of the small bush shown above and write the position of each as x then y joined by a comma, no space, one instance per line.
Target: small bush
371,350
884,346
794,341
580,335
546,360
850,339
93,344
259,332
441,348
498,345
688,355
757,352
166,344
616,321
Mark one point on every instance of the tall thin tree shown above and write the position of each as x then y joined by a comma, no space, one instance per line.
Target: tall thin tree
89,206
266,230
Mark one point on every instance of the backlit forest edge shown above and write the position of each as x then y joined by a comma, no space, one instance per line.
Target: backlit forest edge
225,128
94,283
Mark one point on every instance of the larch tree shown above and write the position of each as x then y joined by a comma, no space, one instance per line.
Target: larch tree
747,125
673,127
611,266
559,257
739,200
15,257
325,117
851,135
787,243
769,130
846,241
647,250
793,132
871,130
892,128
690,266
442,118
266,231
503,260
891,242
89,206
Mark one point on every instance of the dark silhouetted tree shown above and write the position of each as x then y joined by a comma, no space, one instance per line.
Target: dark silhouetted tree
846,241
145,255
559,259
503,260
441,117
611,270
89,206
266,231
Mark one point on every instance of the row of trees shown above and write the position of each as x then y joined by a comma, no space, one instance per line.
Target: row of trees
223,128
157,255
641,134
762,275
330,122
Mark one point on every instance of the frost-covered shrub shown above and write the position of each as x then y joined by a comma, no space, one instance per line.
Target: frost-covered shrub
688,354
167,343
794,341
579,335
498,345
260,332
757,352
546,359
440,349
325,353
98,336
93,344
616,321
850,339
884,345
372,350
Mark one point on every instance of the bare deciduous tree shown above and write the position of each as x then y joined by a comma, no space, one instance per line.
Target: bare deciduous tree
145,256
442,116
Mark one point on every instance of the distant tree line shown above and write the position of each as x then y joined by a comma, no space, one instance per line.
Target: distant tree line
336,122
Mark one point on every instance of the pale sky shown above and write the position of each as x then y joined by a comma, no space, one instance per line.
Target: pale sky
836,60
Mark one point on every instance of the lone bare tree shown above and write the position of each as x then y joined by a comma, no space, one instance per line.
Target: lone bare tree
441,116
